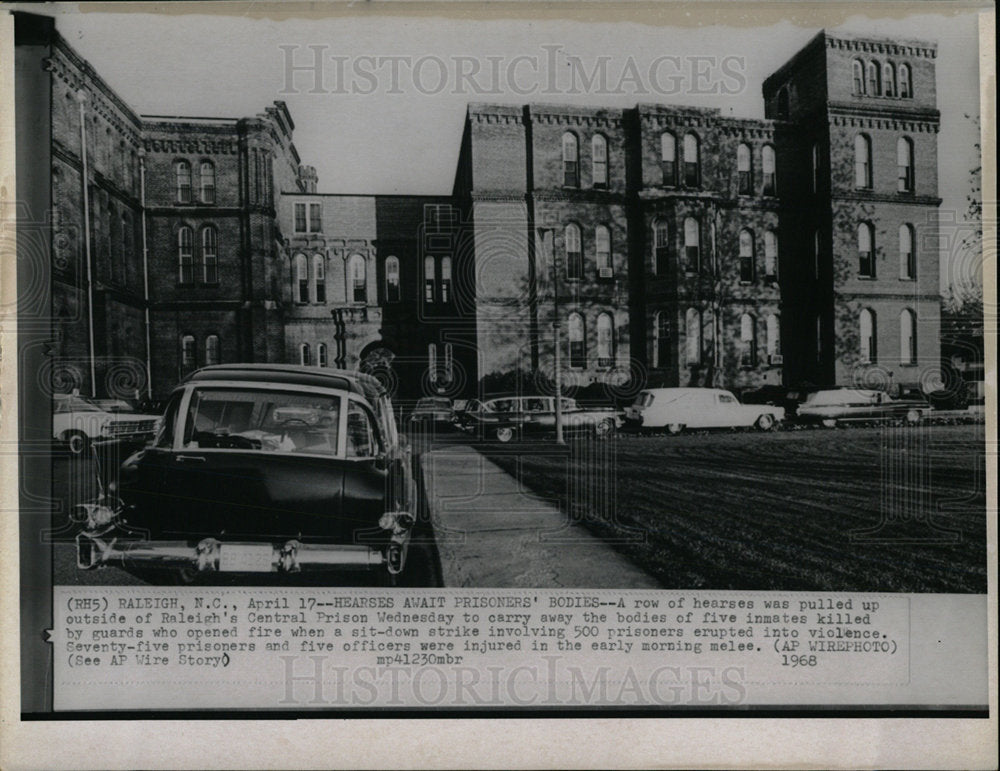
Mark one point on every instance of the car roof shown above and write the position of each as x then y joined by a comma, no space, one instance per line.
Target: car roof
292,374
686,390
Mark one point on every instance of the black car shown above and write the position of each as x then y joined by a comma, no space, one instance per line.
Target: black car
788,397
262,469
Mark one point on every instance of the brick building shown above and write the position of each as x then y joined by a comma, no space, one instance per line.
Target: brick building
663,244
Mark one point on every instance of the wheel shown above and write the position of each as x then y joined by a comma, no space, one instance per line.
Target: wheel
765,422
77,442
830,423
505,434
913,417
675,428
604,429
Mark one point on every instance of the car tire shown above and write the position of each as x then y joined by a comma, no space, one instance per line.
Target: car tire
913,417
765,422
604,428
830,423
674,428
77,443
504,434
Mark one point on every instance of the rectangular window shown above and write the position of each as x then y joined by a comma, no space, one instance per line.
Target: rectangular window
210,257
315,218
300,218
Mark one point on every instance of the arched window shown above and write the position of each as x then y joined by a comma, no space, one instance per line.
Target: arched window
748,340
599,160
577,341
357,279
858,69
605,340
319,277
668,158
746,256
602,248
182,180
866,250
874,79
905,82
305,355
571,160
185,256
817,251
692,161
692,329
661,339
430,279
904,163
126,250
321,356
783,109
432,362
770,255
302,278
769,171
574,252
446,279
863,161
449,362
207,179
907,337
815,168
209,255
744,173
819,338
773,335
392,279
211,350
188,354
888,79
907,252
866,325
692,245
661,247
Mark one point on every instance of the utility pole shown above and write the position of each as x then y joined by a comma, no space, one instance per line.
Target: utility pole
546,235
559,422
81,99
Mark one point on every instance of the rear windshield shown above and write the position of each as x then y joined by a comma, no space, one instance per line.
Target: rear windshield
644,399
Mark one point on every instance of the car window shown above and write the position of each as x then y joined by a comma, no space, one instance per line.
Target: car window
568,404
500,405
536,405
165,435
727,399
644,399
362,436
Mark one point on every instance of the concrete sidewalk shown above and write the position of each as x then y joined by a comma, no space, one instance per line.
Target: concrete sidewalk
491,533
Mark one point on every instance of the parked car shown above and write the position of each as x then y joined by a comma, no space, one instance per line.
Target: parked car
506,418
78,423
788,397
839,405
114,405
432,410
677,409
262,468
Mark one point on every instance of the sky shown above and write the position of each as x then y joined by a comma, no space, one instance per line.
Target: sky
386,113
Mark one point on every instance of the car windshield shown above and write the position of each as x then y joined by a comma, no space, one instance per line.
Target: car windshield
433,403
644,399
75,404
264,420
841,397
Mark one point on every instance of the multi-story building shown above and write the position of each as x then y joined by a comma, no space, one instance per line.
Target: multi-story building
659,244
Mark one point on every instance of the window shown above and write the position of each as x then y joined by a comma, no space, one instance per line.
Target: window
185,258
866,251
661,339
602,240
874,80
430,279
866,325
907,337
904,163
319,277
605,340
209,255
188,362
863,161
773,334
302,278
770,254
432,362
321,356
770,175
361,437
692,170
888,79
746,256
211,350
817,248
449,362
577,342
743,170
905,82
661,247
300,218
446,279
305,355
126,235
571,160
692,245
907,254
783,104
599,156
819,339
356,270
440,217
207,179
668,159
574,252
692,328
748,338
858,69
308,218
182,176
391,280
815,168
315,218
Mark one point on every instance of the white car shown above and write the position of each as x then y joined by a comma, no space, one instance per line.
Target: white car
679,408
78,422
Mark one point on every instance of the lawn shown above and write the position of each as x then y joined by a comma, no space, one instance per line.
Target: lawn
880,509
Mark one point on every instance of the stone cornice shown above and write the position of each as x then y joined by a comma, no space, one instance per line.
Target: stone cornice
884,47
867,197
190,146
928,121
504,196
587,120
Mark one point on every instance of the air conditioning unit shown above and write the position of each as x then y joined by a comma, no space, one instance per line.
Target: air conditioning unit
606,273
775,358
